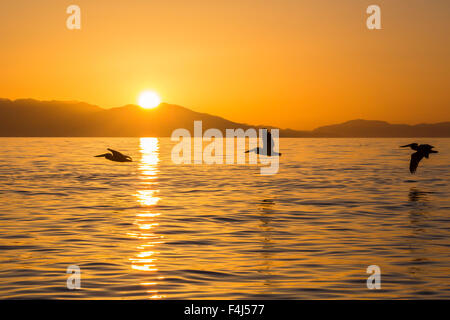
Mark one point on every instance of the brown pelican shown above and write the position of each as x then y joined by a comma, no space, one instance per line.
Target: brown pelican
422,150
267,149
115,156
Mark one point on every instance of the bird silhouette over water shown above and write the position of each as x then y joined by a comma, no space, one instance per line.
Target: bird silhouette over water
116,156
267,149
422,150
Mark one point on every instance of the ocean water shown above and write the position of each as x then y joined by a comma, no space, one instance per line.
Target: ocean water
152,229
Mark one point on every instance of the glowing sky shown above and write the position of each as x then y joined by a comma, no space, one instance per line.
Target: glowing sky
289,63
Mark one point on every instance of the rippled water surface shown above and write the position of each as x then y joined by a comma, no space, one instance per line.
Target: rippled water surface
154,229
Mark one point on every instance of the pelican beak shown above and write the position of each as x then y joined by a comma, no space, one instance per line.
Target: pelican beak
101,155
408,145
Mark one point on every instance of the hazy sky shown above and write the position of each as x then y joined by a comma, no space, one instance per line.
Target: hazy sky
289,63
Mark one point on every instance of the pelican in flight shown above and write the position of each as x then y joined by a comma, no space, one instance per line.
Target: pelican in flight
422,150
267,149
115,156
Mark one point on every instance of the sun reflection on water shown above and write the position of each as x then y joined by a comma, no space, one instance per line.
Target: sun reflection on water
146,219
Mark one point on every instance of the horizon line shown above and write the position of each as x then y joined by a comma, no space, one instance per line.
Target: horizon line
259,125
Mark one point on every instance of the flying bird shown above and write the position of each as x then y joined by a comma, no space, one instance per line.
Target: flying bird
422,150
267,149
116,156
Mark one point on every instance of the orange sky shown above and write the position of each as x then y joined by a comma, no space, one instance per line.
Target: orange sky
289,63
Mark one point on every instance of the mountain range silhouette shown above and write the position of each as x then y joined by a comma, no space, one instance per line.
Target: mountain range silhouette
33,118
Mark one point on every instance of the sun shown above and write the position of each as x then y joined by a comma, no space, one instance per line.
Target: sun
149,100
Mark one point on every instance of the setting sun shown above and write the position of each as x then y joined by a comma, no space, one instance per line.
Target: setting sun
149,100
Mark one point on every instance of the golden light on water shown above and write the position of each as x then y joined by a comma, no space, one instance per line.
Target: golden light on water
147,198
145,259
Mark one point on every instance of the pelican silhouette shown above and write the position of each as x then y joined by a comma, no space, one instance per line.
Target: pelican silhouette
116,156
422,150
267,149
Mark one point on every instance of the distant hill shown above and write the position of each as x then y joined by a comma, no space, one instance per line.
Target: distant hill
373,128
73,119
32,118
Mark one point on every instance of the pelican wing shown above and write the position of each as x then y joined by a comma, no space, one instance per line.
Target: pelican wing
116,153
268,144
415,159
268,141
